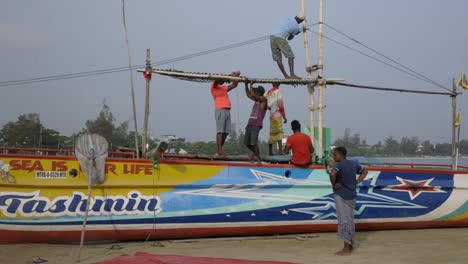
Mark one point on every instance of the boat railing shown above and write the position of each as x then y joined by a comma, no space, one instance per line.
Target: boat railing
131,155
415,165
58,152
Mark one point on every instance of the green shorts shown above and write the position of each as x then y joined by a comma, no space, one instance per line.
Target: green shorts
279,45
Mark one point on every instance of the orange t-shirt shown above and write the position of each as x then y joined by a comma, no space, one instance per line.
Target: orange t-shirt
220,96
300,145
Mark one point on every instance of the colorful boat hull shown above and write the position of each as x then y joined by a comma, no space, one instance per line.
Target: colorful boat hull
186,199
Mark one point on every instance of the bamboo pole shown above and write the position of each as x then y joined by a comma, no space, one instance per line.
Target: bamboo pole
132,89
144,135
454,127
320,83
309,76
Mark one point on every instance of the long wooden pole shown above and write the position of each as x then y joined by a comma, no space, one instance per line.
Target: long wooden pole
454,127
137,152
309,76
147,107
320,83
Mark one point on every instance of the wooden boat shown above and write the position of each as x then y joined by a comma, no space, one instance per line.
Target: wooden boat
43,197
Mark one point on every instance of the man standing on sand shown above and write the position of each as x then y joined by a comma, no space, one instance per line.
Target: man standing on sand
222,111
255,122
277,116
343,181
301,146
287,29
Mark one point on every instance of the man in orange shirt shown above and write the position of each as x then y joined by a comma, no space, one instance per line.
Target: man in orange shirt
222,111
301,146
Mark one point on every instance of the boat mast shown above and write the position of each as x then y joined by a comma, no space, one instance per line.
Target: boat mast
320,82
144,135
309,76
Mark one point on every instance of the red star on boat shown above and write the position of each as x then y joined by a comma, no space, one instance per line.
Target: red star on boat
414,188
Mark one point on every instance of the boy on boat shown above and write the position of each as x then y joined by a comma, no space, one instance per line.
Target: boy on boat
343,181
301,146
255,122
277,117
222,111
287,29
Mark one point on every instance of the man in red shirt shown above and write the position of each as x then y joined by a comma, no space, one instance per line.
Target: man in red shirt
222,111
301,146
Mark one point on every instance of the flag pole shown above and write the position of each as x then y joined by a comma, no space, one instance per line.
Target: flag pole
458,123
454,127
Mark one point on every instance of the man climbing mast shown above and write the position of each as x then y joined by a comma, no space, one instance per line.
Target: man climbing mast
222,111
288,28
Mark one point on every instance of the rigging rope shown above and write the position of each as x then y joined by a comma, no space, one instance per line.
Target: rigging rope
369,56
126,68
388,89
424,78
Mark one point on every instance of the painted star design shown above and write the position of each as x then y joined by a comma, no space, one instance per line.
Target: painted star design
284,212
252,214
414,188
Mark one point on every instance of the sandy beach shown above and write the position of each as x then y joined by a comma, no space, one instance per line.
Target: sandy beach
414,246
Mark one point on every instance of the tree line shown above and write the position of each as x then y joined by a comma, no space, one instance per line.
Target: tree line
391,146
28,132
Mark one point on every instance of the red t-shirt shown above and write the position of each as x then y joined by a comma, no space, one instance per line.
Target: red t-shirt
220,96
300,145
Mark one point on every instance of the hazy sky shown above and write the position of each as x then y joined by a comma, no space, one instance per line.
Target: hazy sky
44,38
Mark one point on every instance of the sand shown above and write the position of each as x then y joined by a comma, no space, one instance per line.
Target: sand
381,247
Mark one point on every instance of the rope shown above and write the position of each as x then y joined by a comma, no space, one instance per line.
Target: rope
388,89
131,80
367,55
126,68
422,77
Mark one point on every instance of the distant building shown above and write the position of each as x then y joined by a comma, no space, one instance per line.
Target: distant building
170,138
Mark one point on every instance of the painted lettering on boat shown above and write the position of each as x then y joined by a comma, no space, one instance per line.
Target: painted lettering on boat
27,165
14,204
137,169
31,165
53,175
110,168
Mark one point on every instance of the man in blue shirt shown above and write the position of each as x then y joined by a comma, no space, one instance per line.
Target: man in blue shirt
343,181
288,28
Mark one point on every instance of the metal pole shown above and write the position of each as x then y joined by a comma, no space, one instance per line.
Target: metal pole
309,76
144,135
320,83
454,128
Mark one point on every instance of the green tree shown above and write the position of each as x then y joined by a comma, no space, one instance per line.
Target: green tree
104,125
392,147
378,148
427,148
409,146
443,149
28,132
24,132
